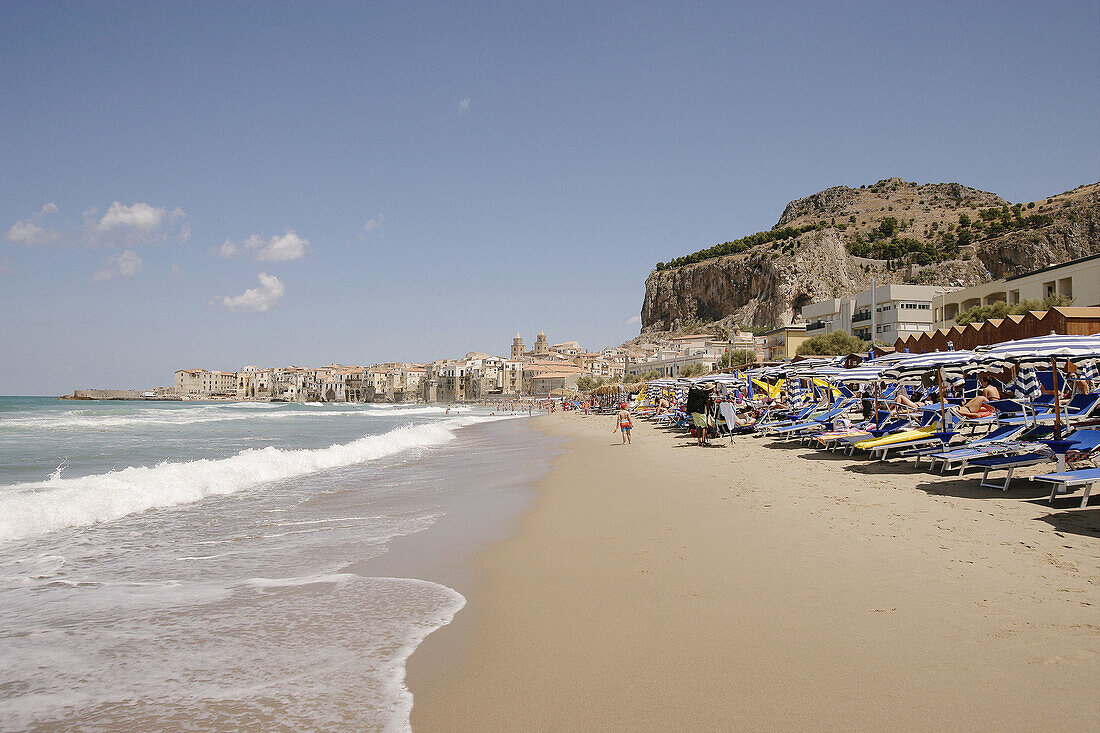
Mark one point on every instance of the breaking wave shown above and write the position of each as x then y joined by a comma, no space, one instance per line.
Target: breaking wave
94,420
31,509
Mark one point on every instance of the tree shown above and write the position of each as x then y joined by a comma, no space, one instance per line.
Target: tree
585,383
964,221
632,378
1000,309
693,370
888,226
651,375
837,343
737,357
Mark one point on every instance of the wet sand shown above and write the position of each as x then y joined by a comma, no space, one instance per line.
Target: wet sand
661,586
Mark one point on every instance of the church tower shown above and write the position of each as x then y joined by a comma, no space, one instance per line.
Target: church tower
518,351
541,347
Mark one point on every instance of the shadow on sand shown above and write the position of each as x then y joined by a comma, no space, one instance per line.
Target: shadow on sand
1084,522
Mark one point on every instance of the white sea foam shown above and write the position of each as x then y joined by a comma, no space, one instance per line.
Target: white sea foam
31,509
233,411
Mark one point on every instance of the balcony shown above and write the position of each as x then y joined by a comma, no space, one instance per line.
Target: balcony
815,326
866,316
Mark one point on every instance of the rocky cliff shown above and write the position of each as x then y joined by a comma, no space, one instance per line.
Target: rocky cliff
768,284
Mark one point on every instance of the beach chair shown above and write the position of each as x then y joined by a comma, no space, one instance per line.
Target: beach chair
1067,481
1080,407
921,435
814,425
782,418
1085,442
1011,462
847,443
977,448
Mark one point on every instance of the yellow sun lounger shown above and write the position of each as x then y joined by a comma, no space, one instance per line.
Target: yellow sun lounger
897,438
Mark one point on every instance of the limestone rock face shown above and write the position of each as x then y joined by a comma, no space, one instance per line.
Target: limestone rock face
821,203
1075,233
764,286
769,284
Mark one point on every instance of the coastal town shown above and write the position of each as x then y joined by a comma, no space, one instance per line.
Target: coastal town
909,316
534,372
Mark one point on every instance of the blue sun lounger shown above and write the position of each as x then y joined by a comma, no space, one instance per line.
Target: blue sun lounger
815,424
977,448
1012,462
1067,481
1085,442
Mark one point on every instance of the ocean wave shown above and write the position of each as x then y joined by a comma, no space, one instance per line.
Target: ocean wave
31,509
93,420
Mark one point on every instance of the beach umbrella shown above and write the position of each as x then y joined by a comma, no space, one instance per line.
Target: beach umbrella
952,364
1054,351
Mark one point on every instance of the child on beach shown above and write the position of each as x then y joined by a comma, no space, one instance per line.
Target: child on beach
624,423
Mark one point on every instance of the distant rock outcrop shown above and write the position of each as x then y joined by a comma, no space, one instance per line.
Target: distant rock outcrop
768,284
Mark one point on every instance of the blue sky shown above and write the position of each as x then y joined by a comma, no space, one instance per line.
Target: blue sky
408,181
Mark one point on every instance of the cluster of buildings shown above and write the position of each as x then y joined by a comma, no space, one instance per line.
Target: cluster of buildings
476,376
910,316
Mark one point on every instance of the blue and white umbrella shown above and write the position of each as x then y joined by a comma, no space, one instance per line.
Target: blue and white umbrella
1026,384
1042,352
951,366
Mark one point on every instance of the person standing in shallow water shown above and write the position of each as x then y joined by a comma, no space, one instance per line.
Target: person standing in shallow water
624,423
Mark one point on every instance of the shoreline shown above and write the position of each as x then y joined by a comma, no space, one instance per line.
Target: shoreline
663,586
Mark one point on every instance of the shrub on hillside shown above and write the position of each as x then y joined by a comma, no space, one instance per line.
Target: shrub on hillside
837,343
1000,309
737,357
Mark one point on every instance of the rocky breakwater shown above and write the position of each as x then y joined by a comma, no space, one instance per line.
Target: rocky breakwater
767,285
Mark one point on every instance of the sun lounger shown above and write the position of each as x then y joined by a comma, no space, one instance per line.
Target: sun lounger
973,449
1067,481
848,443
814,425
1011,462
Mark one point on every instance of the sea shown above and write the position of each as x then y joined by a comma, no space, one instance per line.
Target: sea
239,565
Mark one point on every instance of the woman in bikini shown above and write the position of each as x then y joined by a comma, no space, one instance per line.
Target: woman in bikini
979,406
624,424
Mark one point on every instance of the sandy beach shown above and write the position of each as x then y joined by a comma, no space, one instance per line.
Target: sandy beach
661,586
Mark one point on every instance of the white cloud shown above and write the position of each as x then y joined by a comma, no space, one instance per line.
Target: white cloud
635,321
126,264
464,105
31,232
256,300
139,216
281,248
287,247
177,271
374,223
185,233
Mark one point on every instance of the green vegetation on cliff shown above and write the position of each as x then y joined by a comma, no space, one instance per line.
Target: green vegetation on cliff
1000,309
739,245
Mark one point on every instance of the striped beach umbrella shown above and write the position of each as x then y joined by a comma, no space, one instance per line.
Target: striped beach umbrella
1052,351
951,366
1026,384
1042,352
869,372
948,366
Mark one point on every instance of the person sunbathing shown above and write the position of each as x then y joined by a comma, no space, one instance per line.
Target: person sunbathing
979,406
902,402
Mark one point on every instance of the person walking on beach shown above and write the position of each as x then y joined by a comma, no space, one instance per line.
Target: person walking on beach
697,401
624,423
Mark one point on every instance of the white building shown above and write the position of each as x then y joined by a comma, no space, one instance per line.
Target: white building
899,311
1078,279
